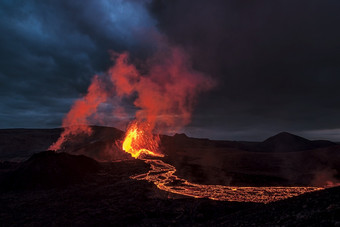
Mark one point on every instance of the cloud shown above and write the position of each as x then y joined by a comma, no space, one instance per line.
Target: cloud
277,63
52,49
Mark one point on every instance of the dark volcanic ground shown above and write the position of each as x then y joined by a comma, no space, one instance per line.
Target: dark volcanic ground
62,189
107,196
282,160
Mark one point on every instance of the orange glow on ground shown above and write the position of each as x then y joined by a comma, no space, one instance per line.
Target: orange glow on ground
140,142
162,175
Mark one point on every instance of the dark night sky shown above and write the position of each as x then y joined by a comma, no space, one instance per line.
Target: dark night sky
277,63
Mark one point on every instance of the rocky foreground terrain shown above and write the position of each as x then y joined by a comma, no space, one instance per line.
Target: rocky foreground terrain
104,194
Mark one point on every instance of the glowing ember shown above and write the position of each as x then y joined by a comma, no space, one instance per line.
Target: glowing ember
140,141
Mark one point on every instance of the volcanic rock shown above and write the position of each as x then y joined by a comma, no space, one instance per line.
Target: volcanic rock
180,136
20,144
319,208
50,169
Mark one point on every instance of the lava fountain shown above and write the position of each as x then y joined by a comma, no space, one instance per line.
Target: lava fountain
142,144
139,140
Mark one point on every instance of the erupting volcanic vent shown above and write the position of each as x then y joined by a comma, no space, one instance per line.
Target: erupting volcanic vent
163,91
140,141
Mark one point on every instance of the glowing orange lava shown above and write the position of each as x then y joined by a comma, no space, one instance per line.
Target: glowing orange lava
162,175
139,141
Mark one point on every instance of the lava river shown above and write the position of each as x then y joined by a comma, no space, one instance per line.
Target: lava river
138,142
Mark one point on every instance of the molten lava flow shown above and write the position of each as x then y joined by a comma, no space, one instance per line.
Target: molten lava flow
139,140
163,176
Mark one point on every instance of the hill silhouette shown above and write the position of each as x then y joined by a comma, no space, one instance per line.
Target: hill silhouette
49,169
285,142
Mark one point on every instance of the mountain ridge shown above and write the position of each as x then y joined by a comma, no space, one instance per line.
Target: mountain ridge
23,142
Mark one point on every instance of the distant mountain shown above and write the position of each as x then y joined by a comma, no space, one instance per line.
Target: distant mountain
285,142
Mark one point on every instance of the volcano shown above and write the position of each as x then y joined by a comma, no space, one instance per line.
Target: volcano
182,184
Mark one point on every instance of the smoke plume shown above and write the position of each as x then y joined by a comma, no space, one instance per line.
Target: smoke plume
163,88
76,121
